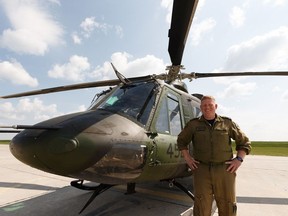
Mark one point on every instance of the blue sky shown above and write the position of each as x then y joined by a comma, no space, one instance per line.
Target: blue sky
47,43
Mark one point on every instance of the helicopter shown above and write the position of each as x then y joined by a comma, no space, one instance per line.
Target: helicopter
128,134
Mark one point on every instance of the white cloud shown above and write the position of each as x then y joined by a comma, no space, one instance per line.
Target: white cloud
75,70
78,67
7,111
275,2
32,30
276,89
16,74
168,4
80,108
237,88
37,108
198,29
201,28
237,17
89,25
147,65
265,52
261,53
119,31
32,110
284,96
76,39
55,2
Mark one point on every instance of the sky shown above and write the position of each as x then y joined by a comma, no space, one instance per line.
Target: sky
48,43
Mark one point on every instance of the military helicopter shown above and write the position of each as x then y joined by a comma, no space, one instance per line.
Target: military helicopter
128,134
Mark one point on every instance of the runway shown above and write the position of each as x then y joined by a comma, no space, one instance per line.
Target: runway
262,189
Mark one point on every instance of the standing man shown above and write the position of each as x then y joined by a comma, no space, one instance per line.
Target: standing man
214,168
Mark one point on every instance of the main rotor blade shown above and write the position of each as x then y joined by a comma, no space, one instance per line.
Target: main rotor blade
74,87
268,73
182,15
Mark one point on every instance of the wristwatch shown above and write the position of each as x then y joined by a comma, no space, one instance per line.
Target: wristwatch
239,158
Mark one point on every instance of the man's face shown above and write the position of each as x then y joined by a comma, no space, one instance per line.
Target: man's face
208,108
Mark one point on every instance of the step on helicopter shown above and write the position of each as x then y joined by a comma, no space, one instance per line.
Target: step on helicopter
128,134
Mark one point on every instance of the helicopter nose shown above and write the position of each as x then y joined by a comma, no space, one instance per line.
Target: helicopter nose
64,151
54,153
23,147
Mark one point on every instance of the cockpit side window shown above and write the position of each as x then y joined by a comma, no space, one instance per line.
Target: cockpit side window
169,119
162,123
174,116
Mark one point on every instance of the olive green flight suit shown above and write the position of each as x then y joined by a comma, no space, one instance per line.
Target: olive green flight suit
212,148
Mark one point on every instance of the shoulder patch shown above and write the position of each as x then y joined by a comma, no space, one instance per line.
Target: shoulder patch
225,117
194,119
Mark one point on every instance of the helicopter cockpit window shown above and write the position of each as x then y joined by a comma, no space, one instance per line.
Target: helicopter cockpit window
98,97
169,120
162,123
197,111
135,100
174,115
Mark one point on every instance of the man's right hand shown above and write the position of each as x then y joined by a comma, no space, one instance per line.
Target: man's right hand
191,162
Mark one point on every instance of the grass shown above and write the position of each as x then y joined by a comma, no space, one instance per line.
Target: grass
258,148
269,148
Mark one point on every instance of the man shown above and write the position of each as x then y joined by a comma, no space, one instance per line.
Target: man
214,168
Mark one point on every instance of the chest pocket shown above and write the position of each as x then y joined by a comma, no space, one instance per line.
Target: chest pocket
201,139
221,139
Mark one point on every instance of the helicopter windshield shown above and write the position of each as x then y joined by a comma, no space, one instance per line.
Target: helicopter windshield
135,100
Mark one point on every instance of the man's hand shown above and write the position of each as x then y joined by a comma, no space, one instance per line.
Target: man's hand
191,162
234,165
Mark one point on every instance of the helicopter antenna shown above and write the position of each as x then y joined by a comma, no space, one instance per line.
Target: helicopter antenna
120,76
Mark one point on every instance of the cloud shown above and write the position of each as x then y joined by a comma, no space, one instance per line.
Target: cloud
33,30
33,110
129,67
265,52
7,111
198,28
201,28
76,39
36,108
237,88
168,4
284,96
79,69
261,53
75,70
237,17
16,74
89,25
55,2
275,2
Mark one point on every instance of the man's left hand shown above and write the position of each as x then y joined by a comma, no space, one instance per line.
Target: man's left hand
234,165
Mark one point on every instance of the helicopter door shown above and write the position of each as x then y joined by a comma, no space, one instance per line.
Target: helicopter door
168,124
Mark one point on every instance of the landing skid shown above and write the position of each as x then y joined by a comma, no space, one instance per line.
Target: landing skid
181,187
130,189
97,190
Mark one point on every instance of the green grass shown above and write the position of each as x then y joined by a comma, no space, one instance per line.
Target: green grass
269,148
258,148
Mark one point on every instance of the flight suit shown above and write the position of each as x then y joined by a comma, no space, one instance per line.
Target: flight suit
212,148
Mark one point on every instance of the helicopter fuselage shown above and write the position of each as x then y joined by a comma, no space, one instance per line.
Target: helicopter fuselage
127,136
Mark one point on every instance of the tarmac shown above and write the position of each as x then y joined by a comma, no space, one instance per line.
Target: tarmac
262,190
